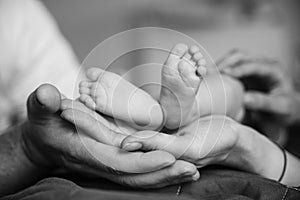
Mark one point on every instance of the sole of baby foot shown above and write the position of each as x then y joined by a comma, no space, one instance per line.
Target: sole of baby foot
114,96
181,78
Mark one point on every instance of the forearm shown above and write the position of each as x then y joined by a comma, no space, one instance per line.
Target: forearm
16,170
265,158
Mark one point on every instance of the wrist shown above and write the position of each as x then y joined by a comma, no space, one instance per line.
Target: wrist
259,154
241,155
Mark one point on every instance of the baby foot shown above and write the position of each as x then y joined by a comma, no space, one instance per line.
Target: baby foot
112,95
181,78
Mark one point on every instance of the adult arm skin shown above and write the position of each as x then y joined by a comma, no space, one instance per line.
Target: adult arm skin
266,159
45,142
220,140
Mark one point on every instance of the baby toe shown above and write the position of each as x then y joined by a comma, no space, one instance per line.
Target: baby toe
84,90
94,73
187,73
83,97
86,84
194,49
201,62
176,54
201,71
88,101
97,91
197,57
188,58
179,49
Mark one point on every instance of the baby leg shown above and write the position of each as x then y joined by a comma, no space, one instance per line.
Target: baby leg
112,95
220,95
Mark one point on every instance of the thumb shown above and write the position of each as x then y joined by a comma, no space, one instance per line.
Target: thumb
44,100
147,140
152,140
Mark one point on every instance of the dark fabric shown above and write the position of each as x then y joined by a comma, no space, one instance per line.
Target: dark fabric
293,143
214,184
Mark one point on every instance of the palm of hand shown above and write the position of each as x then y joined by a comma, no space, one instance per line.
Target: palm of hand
205,141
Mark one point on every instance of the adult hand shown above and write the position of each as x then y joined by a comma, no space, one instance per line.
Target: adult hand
215,140
279,97
49,142
209,140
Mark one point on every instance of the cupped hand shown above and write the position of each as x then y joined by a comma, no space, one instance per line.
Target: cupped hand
209,140
50,142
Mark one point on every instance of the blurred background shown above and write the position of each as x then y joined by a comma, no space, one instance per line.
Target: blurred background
219,25
260,27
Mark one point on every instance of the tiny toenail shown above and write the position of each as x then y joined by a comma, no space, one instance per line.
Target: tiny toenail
196,177
182,133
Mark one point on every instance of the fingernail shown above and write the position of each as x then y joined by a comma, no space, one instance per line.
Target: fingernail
196,176
132,146
188,173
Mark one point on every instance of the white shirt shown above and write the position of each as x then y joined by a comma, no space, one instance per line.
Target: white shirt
32,52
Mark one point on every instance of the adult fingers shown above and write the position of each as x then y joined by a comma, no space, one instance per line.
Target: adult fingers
112,124
180,172
257,67
232,59
238,64
152,140
129,162
266,102
177,173
70,104
86,124
271,72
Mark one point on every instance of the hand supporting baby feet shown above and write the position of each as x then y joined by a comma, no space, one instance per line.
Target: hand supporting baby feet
181,77
183,98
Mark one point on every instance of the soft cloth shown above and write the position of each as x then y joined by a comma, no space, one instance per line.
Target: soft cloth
32,52
213,184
